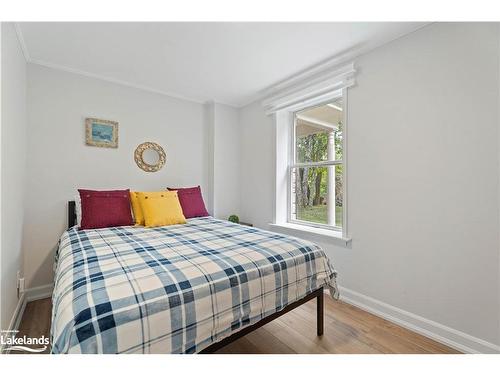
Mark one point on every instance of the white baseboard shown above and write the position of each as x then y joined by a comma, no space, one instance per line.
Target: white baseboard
18,313
436,331
32,294
16,316
39,292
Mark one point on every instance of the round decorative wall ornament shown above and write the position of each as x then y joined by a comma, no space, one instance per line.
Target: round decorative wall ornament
149,156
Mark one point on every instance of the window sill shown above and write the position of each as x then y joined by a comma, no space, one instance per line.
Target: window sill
319,233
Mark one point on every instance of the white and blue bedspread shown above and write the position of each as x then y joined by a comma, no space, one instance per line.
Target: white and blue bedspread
175,289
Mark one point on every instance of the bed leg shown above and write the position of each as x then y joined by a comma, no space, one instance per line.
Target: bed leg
320,312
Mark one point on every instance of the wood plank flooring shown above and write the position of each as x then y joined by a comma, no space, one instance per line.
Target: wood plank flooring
348,330
36,321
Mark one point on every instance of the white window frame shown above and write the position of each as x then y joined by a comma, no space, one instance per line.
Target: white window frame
292,163
315,87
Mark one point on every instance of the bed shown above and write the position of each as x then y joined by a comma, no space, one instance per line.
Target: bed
190,288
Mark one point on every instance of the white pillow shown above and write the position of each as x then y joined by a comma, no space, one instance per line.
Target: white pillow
78,210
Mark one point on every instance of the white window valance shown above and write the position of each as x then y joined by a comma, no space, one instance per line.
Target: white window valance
318,88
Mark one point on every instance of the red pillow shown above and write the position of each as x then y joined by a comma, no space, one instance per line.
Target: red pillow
191,202
103,209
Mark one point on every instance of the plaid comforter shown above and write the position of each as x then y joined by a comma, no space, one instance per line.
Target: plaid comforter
175,289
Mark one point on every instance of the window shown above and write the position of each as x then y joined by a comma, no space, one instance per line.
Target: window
316,166
310,166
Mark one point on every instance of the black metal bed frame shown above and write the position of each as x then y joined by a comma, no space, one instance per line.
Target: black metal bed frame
318,294
71,214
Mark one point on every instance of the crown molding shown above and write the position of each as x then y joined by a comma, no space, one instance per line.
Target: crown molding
126,83
112,80
67,69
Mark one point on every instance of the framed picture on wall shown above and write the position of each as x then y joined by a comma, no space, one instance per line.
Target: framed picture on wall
101,133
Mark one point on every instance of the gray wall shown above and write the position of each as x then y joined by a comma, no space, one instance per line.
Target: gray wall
422,177
13,146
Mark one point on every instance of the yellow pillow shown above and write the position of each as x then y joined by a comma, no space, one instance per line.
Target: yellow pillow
136,208
161,208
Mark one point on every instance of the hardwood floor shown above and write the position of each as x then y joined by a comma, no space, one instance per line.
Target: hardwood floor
36,321
348,330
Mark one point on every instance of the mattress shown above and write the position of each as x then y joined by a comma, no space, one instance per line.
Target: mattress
175,289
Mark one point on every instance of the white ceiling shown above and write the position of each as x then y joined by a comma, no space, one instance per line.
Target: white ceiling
229,63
